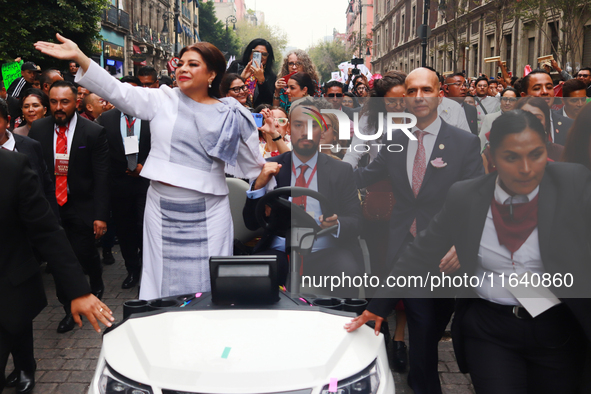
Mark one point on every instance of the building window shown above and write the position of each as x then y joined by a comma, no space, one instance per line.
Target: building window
402,38
413,30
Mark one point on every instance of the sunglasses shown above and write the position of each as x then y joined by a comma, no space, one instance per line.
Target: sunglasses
335,95
263,54
281,121
239,89
294,64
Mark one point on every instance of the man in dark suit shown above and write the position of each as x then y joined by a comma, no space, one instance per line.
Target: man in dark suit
128,189
32,149
22,296
456,89
332,254
539,83
421,176
79,148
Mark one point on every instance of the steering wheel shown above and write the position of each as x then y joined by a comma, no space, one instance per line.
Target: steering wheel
285,214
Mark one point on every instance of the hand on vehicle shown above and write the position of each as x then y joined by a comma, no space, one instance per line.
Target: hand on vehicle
93,308
364,318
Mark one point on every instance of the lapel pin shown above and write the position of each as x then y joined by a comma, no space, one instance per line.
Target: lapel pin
558,131
559,123
441,146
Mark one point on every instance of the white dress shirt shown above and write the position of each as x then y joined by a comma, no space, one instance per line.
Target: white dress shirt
496,259
428,142
453,113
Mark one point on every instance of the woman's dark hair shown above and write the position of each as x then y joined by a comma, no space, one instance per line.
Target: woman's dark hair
215,61
40,94
280,109
509,89
380,88
576,149
538,103
252,45
305,81
513,122
227,82
261,107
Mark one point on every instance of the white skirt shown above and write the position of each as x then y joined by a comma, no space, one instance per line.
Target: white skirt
182,229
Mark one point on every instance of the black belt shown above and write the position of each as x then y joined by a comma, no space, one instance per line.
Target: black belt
515,310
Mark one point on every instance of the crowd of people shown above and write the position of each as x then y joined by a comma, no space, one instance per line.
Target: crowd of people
145,160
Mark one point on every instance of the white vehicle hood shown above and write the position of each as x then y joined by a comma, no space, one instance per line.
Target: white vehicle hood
239,351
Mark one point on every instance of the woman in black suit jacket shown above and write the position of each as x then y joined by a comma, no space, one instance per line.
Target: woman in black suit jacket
542,226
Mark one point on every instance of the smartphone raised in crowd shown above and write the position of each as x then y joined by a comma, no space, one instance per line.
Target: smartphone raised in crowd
256,59
258,119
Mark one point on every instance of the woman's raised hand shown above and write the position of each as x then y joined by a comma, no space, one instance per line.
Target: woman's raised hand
67,50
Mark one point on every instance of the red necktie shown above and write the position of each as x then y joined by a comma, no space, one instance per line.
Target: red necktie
418,172
301,182
61,181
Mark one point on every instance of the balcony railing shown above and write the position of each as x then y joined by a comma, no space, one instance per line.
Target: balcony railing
116,17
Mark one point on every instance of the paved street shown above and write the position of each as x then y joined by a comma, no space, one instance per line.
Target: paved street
66,362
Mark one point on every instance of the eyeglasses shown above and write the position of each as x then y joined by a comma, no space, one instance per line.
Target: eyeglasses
508,99
239,89
335,95
462,85
361,88
281,121
295,64
263,54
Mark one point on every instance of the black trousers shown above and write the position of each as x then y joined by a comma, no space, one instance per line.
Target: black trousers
128,212
523,356
21,347
81,237
427,319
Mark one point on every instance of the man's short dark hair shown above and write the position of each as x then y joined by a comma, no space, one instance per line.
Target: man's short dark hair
493,81
456,74
525,80
165,80
44,77
65,84
485,79
131,79
309,101
148,71
572,85
3,109
586,69
333,84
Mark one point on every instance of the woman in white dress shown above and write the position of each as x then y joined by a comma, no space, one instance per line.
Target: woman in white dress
196,137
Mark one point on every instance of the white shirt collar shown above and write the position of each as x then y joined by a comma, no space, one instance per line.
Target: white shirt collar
501,195
433,128
310,163
10,143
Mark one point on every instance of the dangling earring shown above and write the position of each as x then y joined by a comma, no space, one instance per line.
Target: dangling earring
210,84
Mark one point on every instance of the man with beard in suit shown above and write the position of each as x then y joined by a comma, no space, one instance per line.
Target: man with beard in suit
332,254
76,153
